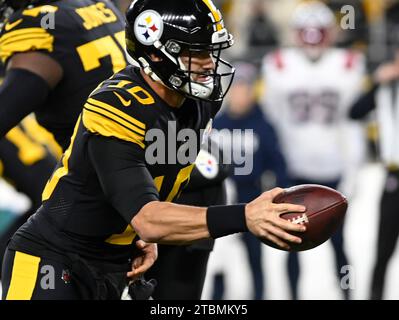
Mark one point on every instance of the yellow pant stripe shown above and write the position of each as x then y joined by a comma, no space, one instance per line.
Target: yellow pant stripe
24,276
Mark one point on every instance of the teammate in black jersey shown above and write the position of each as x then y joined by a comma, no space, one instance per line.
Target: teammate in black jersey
107,190
56,53
26,163
24,159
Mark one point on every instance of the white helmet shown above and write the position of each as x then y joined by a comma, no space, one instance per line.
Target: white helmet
313,20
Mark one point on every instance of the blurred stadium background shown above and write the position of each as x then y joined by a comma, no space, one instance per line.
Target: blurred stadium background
259,27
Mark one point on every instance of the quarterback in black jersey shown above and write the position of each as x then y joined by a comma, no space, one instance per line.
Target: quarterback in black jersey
106,190
56,53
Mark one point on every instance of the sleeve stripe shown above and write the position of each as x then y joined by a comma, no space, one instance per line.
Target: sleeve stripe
28,45
121,114
21,39
115,118
98,123
24,32
23,42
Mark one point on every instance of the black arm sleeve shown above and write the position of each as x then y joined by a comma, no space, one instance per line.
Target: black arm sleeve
122,173
364,104
21,93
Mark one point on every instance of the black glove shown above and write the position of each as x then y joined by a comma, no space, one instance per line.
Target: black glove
142,289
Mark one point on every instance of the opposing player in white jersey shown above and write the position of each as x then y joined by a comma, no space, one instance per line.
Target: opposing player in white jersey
308,92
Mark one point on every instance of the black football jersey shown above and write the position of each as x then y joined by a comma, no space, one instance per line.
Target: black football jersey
82,214
86,37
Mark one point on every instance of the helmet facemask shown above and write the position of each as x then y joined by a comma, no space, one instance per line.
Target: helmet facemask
211,84
182,76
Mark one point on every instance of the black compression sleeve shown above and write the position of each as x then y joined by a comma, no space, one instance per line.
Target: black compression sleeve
122,173
21,93
364,104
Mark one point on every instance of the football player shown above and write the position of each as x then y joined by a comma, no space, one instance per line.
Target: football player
242,111
382,98
107,190
26,163
309,91
180,270
24,160
56,53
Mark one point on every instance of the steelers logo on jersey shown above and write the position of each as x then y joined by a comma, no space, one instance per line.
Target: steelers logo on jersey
148,27
207,164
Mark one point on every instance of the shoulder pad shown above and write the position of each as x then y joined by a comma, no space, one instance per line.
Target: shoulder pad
120,109
24,32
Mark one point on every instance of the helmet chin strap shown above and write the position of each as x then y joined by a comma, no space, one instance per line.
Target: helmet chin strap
146,68
198,90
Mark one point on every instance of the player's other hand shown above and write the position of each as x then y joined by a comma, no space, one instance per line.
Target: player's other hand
140,264
263,219
387,72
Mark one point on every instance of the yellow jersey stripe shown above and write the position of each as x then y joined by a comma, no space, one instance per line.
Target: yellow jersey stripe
98,123
115,117
183,175
158,181
23,38
23,278
123,239
23,32
117,112
62,171
28,44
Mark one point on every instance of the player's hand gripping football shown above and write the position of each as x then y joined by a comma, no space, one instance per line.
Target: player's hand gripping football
144,261
263,219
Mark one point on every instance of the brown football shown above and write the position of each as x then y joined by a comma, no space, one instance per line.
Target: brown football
325,212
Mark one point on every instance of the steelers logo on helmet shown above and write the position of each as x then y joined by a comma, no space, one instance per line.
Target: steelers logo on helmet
148,27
